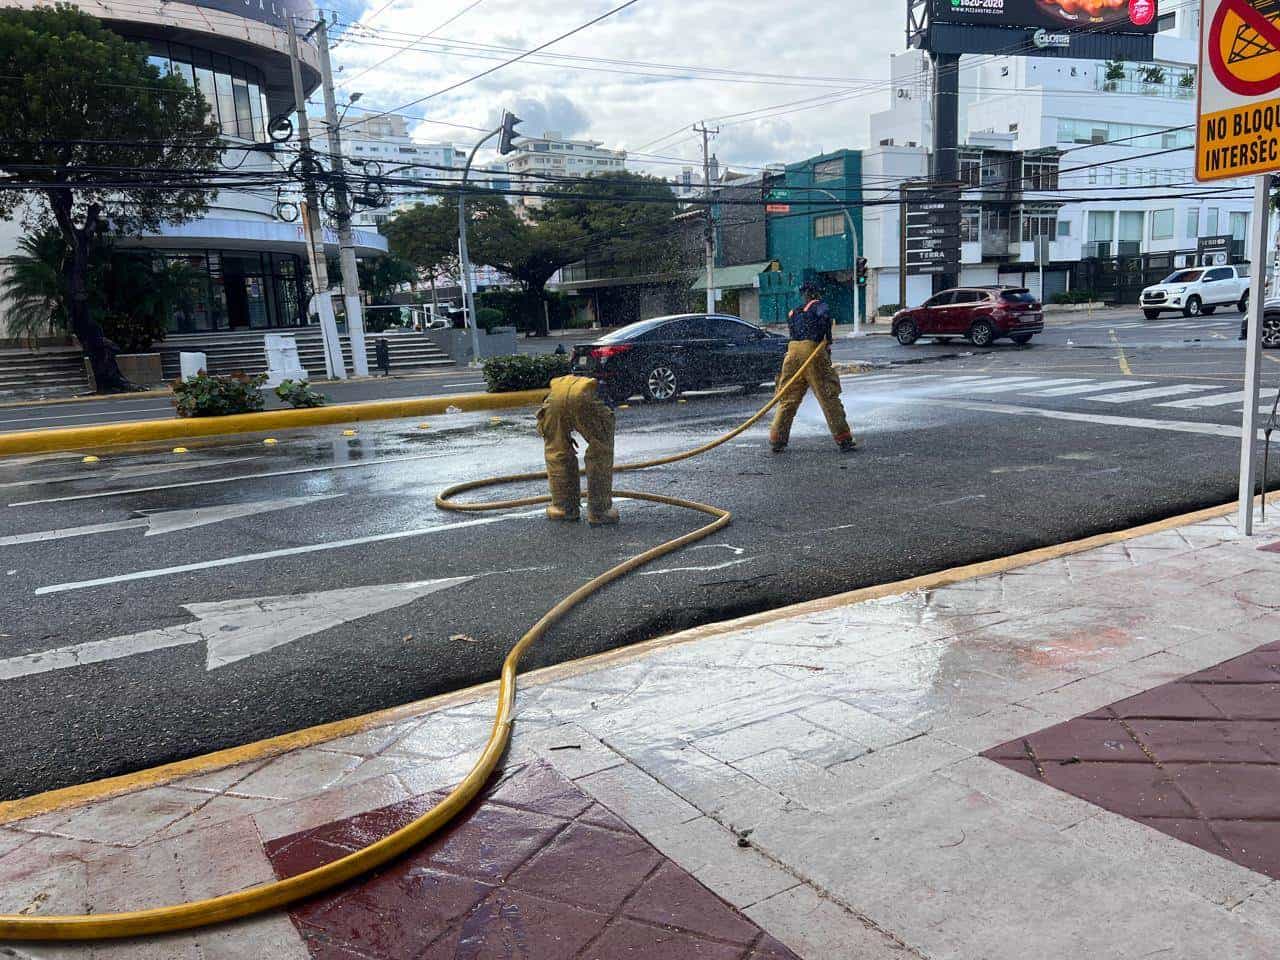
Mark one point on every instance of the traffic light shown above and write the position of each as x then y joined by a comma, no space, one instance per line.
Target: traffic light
861,270
509,123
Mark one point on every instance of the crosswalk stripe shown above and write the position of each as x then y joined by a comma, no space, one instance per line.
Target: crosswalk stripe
1020,383
1088,388
1168,391
1214,400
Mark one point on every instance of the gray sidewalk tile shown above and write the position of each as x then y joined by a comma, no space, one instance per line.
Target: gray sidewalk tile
711,853
1021,792
637,798
816,928
1168,859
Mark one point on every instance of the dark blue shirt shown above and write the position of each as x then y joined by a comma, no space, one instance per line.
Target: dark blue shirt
810,322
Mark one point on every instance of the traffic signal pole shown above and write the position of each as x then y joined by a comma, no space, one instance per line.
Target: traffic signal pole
856,255
1253,353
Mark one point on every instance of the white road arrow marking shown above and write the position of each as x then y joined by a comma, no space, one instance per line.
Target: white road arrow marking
168,521
236,629
736,551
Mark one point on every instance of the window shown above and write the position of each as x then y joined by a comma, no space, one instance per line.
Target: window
1211,222
828,225
970,231
1122,176
1101,226
1064,229
1193,222
970,169
1221,273
940,300
1040,173
541,147
1131,226
1239,225
724,329
1133,134
968,296
995,220
1039,223
1161,224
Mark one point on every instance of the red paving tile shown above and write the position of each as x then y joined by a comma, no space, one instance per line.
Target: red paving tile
1202,761
534,870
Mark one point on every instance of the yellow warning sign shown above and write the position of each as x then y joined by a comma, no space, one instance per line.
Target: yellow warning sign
1238,120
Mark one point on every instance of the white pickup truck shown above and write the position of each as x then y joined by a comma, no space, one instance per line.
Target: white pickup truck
1198,290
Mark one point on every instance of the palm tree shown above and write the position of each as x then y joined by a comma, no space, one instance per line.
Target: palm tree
33,291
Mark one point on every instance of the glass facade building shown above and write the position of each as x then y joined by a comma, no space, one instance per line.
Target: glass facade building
234,90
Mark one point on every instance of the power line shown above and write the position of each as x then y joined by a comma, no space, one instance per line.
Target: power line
484,73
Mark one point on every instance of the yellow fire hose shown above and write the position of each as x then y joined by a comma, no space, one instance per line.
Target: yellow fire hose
243,903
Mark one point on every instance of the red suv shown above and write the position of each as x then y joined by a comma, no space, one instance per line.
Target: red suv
981,314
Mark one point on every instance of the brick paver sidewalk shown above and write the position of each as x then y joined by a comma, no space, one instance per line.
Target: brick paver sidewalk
1076,758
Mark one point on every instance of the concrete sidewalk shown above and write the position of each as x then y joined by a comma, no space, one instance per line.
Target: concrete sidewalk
1041,753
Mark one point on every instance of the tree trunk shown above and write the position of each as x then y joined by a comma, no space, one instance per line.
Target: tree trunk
540,316
435,304
93,342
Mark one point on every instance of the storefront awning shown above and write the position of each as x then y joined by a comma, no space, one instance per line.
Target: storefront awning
740,277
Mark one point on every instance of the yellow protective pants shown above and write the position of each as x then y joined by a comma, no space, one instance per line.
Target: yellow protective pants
819,377
573,405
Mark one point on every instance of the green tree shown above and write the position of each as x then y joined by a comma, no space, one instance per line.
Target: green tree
381,277
426,236
131,292
96,136
33,290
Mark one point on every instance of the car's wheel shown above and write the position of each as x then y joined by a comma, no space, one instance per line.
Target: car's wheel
1021,339
1271,330
1151,314
1243,305
1193,308
1208,310
661,383
982,333
907,332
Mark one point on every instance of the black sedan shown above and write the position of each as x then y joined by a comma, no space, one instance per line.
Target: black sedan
661,357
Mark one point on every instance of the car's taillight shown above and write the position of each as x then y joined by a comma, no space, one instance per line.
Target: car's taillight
604,353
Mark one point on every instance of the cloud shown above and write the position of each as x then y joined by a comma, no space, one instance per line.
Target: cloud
781,87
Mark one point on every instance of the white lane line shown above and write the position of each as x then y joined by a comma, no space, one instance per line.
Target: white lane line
239,479
1021,384
276,554
1176,426
1215,400
113,415
1169,391
1088,388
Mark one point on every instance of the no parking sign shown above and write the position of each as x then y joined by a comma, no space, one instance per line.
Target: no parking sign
1238,122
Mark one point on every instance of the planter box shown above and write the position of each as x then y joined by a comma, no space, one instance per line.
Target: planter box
141,368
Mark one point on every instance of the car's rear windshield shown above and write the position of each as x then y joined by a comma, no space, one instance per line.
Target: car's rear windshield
1017,296
633,330
1184,276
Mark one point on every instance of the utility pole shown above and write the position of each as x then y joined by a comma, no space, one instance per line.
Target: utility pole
346,242
902,246
311,226
709,243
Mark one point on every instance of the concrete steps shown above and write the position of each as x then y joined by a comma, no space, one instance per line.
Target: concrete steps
50,369
244,352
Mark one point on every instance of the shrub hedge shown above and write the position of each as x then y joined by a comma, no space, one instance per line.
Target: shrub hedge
520,372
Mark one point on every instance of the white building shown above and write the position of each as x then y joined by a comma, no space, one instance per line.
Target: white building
540,159
1119,152
381,146
250,260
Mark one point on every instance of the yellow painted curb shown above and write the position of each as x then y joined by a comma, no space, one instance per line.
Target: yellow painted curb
54,800
111,434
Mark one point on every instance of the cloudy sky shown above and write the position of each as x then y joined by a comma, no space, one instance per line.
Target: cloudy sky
637,80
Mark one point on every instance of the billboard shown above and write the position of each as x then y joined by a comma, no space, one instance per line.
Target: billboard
1097,16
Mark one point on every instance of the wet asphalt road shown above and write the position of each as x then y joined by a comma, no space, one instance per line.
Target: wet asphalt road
336,549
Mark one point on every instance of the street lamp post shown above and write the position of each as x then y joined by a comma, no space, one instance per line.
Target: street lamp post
507,131
856,253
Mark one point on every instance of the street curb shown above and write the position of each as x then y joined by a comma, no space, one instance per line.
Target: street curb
110,434
64,798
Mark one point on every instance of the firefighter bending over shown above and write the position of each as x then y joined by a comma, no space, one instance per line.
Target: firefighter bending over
573,405
810,328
